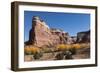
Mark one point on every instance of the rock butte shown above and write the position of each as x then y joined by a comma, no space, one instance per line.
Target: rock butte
42,35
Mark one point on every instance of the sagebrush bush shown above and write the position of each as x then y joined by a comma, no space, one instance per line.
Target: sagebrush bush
73,51
59,56
37,55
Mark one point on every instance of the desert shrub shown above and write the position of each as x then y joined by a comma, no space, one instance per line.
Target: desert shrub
35,50
47,49
76,46
73,51
68,55
85,45
27,50
59,56
63,47
64,55
69,47
66,52
31,50
37,55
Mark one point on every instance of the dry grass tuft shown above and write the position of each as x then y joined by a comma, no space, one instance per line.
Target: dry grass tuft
62,47
31,49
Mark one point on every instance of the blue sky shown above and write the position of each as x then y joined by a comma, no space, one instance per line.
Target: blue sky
69,22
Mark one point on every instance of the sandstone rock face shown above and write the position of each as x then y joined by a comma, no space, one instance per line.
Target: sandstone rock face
83,37
41,35
60,37
74,39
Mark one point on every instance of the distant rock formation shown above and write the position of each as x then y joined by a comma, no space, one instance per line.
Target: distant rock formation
83,37
74,39
41,35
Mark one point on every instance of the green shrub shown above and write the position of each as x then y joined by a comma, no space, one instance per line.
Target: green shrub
38,55
59,56
73,51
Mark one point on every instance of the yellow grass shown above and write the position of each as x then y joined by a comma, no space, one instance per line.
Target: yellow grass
63,47
76,46
72,46
60,47
31,49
